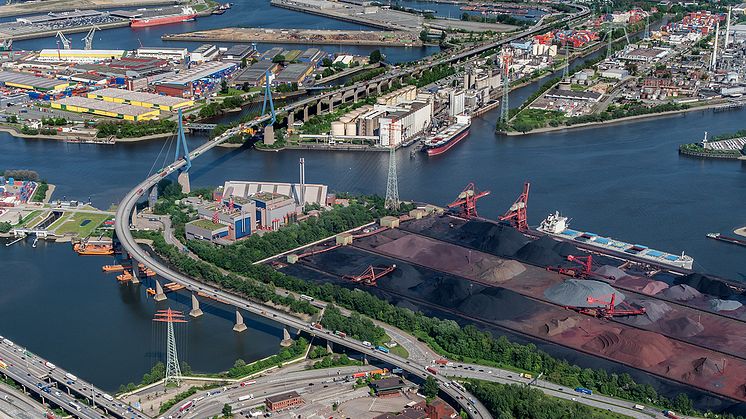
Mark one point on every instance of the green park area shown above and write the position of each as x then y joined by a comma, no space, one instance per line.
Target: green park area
79,223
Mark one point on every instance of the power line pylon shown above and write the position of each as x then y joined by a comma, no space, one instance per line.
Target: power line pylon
392,183
507,59
173,370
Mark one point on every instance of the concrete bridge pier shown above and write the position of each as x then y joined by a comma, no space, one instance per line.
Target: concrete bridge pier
159,294
329,346
135,272
183,180
195,311
291,119
269,135
286,339
240,326
318,107
305,113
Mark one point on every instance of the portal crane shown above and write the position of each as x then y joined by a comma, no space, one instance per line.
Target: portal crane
63,39
371,275
467,200
88,39
609,309
516,215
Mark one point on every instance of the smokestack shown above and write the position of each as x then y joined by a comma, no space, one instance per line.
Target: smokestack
727,30
715,49
301,193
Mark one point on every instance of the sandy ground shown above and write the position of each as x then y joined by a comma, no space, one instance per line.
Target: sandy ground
740,231
60,5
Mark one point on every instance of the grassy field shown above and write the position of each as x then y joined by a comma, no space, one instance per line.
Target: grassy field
72,223
32,219
399,351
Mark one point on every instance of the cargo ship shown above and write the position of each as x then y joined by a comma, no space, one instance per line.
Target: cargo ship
443,140
558,226
727,239
187,14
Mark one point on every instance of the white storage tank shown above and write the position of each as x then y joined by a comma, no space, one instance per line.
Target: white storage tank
338,128
350,129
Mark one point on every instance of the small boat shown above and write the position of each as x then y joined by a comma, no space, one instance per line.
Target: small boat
727,239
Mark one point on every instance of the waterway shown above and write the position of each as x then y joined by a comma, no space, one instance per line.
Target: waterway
623,180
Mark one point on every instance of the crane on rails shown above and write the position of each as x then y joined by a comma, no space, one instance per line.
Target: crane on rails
371,275
585,271
467,200
608,308
516,214
63,39
88,39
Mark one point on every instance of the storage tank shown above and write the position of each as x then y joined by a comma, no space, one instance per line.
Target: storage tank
345,119
350,128
338,128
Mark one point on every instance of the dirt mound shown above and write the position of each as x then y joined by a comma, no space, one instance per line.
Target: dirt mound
632,346
541,252
556,326
575,293
654,287
724,305
706,367
496,239
642,285
445,291
682,327
500,272
706,285
565,249
498,304
654,311
610,271
681,292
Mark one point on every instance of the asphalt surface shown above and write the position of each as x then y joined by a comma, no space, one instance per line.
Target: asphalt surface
32,372
15,404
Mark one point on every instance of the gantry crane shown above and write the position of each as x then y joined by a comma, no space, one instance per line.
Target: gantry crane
467,200
63,39
88,39
371,275
609,309
516,214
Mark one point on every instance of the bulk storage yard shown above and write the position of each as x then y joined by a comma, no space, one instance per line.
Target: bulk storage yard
494,276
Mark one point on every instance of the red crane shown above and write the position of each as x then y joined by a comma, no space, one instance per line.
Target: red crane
371,275
609,308
467,200
516,215
586,263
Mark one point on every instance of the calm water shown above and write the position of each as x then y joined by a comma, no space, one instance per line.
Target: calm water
622,180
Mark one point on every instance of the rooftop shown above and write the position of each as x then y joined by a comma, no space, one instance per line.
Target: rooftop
133,96
282,397
119,108
206,224
199,72
29,79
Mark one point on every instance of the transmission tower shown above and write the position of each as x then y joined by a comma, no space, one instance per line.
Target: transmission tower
173,370
507,58
392,183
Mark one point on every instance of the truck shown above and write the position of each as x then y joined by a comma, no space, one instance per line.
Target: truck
670,414
432,370
317,326
9,342
3,364
186,405
50,365
108,397
583,390
529,376
441,361
71,377
397,371
359,374
305,297
246,397
248,383
75,406
382,349
639,407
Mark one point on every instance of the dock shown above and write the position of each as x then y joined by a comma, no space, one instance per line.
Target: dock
300,36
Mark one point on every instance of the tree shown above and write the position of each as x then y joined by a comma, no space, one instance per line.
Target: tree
423,35
223,86
326,62
430,388
227,410
244,62
376,57
279,58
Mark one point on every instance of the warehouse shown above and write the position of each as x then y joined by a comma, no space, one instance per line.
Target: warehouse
311,55
313,194
79,55
255,73
239,52
173,54
270,54
204,229
31,82
100,107
145,100
204,53
196,81
294,73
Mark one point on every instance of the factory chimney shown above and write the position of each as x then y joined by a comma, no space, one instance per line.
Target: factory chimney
713,64
727,30
301,193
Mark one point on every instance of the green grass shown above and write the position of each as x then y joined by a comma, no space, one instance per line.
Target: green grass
206,224
72,224
399,350
31,218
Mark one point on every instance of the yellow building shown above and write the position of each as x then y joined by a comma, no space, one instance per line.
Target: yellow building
142,99
79,55
103,108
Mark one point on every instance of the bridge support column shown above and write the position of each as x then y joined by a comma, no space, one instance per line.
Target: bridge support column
269,135
286,339
378,88
291,119
195,311
184,182
354,96
159,294
239,326
329,346
318,108
135,272
331,104
305,113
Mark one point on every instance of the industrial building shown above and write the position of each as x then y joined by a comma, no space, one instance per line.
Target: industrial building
307,193
254,74
196,81
405,123
294,73
100,107
173,54
311,55
204,53
386,387
31,82
272,53
205,229
79,55
145,100
283,401
239,52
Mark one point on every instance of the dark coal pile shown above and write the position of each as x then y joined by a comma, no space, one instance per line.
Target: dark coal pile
498,304
654,311
541,252
495,239
706,285
444,291
724,305
565,249
612,271
681,292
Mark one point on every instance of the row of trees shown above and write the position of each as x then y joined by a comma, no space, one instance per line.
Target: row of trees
330,361
135,129
40,131
21,174
40,192
217,107
357,326
242,369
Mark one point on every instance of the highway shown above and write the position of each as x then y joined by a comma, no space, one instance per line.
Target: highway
32,372
14,404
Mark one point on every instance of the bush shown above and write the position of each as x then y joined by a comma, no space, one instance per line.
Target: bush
134,129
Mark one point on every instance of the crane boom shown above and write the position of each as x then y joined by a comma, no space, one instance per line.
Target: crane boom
88,39
65,42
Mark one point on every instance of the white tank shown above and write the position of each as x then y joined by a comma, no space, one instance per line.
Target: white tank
345,119
350,128
338,128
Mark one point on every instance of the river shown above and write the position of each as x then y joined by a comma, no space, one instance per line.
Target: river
623,180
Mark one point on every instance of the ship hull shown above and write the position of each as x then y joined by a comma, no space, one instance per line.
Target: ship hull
156,21
447,146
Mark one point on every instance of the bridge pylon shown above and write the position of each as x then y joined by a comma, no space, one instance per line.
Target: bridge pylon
195,311
240,326
286,339
159,294
182,152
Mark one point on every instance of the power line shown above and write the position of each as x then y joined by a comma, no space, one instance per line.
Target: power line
173,370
